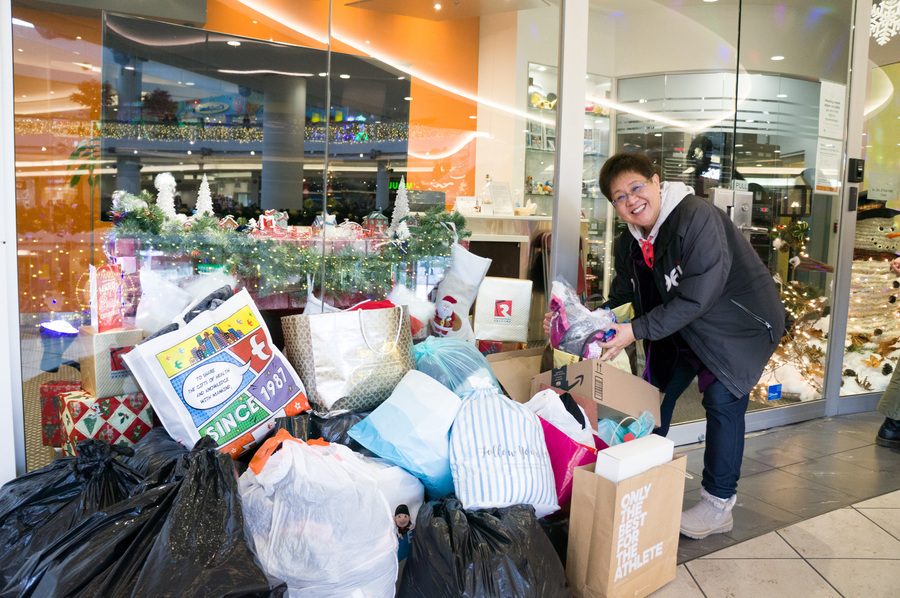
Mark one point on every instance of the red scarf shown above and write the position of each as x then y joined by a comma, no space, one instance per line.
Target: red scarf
647,250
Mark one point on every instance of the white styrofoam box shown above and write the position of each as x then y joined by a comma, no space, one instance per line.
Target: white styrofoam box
631,458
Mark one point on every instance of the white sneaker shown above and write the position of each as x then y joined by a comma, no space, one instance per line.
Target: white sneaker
712,515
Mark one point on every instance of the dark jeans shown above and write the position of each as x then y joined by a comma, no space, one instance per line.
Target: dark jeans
724,429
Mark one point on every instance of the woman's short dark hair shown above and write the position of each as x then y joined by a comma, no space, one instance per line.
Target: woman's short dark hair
621,163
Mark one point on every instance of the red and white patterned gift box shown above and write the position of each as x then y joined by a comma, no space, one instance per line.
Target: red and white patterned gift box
51,406
124,419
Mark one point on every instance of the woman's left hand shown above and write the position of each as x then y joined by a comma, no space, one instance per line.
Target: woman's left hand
624,337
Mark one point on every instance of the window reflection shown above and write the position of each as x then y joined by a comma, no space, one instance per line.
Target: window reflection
251,116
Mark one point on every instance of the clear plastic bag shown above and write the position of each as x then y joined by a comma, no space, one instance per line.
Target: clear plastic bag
574,328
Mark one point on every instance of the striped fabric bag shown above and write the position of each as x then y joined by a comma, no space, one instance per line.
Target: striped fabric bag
498,456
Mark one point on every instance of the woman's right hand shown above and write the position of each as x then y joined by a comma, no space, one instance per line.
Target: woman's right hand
549,316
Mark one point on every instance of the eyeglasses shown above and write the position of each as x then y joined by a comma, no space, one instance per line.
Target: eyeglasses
633,193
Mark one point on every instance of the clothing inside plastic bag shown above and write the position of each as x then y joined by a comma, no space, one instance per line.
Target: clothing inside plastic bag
182,538
490,553
573,327
317,519
38,508
453,362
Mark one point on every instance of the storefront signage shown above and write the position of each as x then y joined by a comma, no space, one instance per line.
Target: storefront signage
884,186
828,166
831,110
211,108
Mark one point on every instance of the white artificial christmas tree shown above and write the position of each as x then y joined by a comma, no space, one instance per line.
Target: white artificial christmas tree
204,205
165,184
401,211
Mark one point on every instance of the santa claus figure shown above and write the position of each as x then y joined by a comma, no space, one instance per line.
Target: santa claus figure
445,320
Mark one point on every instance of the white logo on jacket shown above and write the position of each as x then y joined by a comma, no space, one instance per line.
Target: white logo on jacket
672,278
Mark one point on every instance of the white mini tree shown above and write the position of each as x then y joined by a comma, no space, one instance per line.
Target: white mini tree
165,184
204,205
401,209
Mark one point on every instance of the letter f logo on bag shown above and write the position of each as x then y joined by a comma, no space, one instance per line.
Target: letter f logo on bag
503,308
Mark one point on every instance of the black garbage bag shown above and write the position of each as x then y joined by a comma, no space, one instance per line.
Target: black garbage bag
38,508
155,456
487,553
182,538
334,429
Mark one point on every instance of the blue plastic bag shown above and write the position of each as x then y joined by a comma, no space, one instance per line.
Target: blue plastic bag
452,362
612,432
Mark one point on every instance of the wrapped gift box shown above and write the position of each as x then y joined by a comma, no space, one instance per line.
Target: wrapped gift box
103,371
51,407
117,420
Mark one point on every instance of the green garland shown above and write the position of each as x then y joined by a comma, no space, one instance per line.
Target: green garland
275,266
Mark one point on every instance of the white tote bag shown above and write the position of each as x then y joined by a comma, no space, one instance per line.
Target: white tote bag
218,376
502,309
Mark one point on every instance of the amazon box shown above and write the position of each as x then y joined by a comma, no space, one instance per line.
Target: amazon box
103,371
601,389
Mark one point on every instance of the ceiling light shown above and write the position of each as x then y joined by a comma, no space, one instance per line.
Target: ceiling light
129,68
781,95
322,74
252,153
234,43
408,99
255,22
20,49
189,152
401,77
474,117
345,76
710,1
189,83
437,6
778,58
657,134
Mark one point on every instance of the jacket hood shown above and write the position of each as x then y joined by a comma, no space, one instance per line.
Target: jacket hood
671,195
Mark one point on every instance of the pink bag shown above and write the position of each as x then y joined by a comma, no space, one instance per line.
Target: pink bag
565,456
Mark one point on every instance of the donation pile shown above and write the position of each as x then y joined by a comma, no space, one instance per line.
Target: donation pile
366,460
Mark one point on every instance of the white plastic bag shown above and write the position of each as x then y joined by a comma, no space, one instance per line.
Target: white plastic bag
498,456
548,405
316,519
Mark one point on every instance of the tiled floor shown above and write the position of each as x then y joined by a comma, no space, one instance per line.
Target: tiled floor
818,514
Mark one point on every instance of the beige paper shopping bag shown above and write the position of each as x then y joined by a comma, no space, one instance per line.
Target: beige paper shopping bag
623,538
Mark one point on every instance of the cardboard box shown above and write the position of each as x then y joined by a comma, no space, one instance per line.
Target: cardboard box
620,462
103,371
602,390
515,369
623,537
599,386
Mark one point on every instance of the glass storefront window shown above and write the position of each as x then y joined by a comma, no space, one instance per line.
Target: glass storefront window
743,122
872,346
305,107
